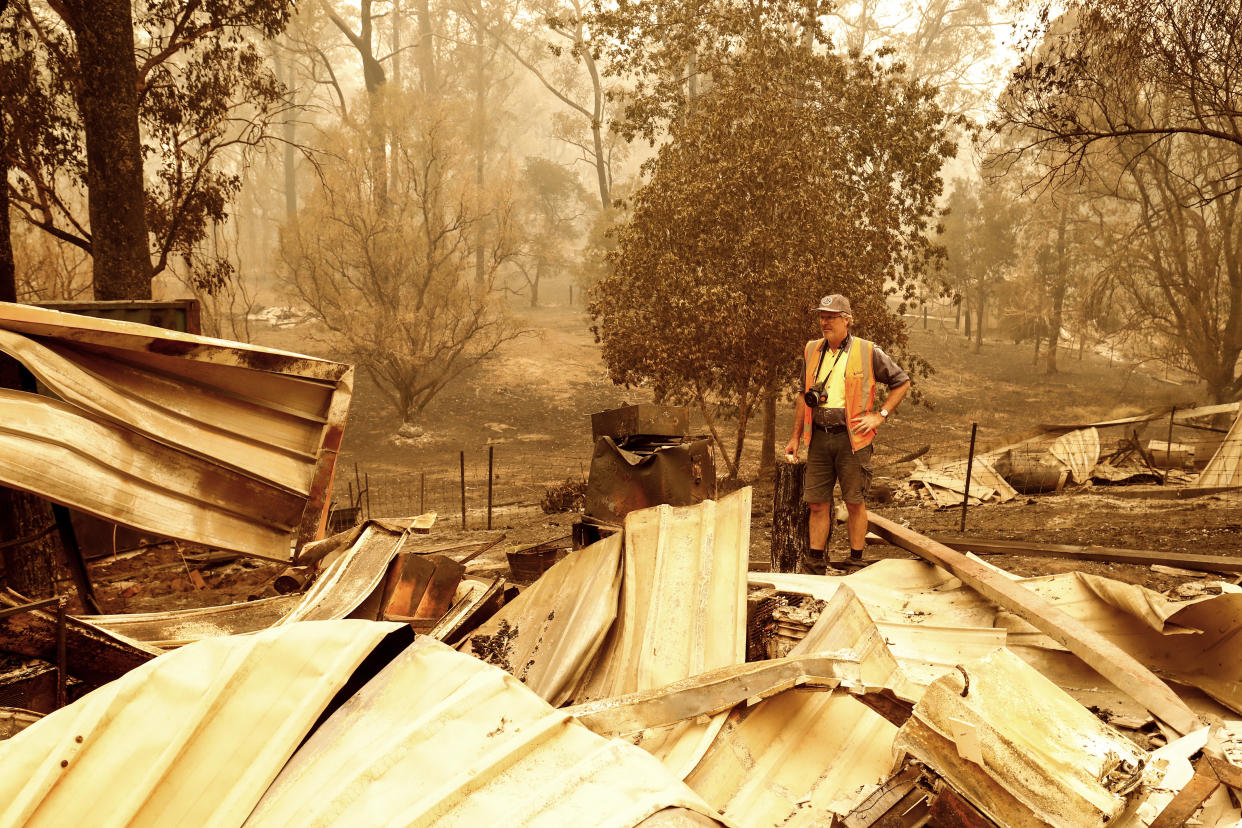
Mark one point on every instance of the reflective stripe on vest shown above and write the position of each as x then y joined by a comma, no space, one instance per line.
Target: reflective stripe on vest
859,385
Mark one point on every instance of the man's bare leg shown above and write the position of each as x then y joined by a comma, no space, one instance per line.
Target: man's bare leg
820,530
856,524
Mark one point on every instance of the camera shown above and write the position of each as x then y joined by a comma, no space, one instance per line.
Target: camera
814,396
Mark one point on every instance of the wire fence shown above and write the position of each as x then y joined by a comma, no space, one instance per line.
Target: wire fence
440,485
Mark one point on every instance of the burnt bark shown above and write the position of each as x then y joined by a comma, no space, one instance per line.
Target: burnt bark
790,518
108,101
27,566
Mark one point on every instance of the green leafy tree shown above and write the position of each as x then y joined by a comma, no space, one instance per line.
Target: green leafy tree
793,173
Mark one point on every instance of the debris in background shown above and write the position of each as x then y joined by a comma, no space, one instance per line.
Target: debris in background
1079,451
1225,467
528,563
643,457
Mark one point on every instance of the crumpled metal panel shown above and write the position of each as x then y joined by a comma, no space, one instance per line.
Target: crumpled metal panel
547,636
170,629
682,612
201,439
354,572
795,760
799,758
1013,729
439,738
683,597
622,481
193,737
351,577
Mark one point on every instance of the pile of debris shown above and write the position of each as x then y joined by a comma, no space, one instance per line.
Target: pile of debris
617,690
1067,455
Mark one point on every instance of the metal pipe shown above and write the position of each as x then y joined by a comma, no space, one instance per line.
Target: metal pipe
62,659
31,607
1168,449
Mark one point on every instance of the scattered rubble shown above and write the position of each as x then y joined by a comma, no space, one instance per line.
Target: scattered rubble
1076,456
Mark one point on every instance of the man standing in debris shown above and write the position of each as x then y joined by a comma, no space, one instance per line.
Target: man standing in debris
835,415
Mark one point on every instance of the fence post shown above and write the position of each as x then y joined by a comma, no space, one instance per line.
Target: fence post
490,459
970,461
1168,449
463,490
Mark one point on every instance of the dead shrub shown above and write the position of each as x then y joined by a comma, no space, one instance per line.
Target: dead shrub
567,496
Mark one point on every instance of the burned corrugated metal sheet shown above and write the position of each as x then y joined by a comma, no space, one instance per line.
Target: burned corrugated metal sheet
354,572
798,758
548,635
1021,749
174,628
682,612
622,480
192,738
439,738
206,440
683,597
352,576
795,759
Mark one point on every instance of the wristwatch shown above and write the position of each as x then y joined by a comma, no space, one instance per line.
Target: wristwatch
884,413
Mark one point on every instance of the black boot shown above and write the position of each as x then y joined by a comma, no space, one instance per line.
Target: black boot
813,562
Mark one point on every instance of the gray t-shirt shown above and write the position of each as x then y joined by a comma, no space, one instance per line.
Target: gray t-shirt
885,370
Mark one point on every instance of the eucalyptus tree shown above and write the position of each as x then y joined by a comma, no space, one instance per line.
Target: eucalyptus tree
179,87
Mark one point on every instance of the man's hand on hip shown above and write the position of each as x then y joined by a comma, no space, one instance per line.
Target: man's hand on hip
867,422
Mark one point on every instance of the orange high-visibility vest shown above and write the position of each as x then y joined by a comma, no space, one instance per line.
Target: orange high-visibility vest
859,385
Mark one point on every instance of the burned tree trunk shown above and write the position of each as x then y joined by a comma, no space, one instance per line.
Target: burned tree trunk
790,518
26,542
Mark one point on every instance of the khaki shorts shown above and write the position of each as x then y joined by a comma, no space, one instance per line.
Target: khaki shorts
831,460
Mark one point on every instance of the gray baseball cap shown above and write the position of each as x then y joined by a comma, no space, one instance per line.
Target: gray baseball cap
834,303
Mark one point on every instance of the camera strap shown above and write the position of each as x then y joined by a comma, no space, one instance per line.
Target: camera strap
819,366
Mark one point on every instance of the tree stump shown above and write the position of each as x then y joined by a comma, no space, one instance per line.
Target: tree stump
790,517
